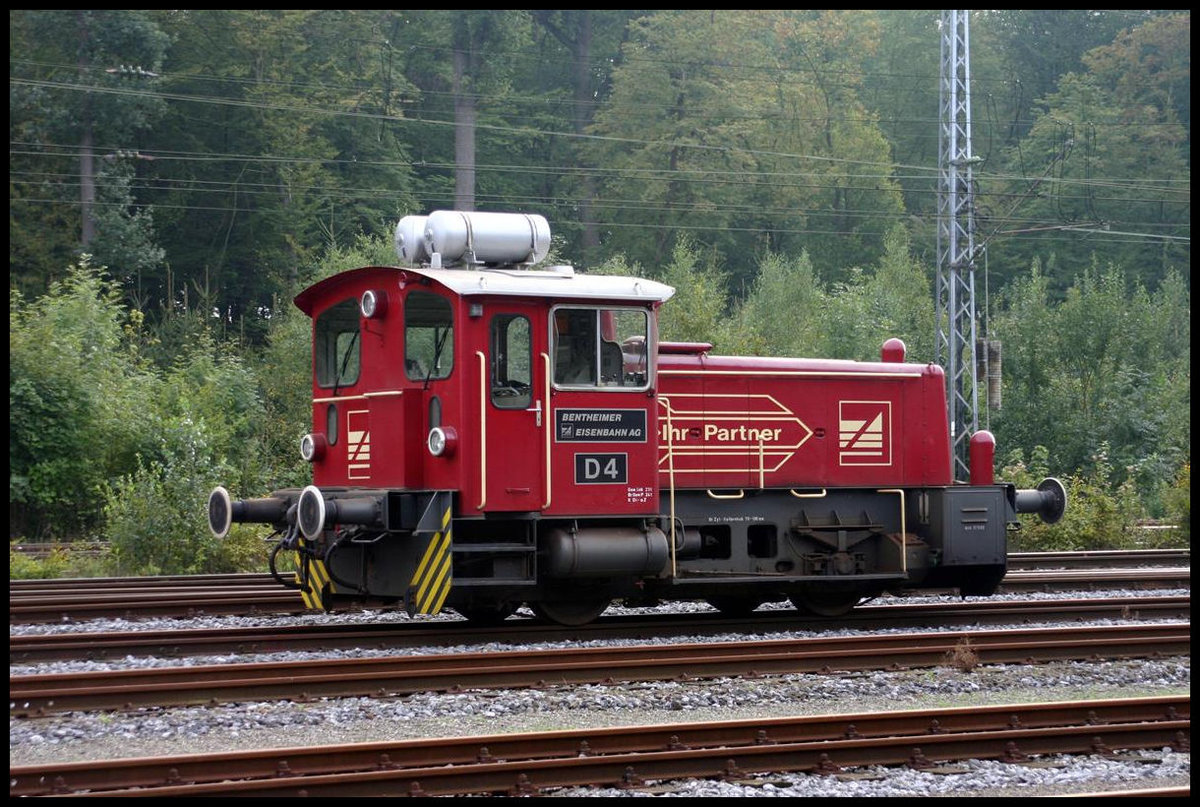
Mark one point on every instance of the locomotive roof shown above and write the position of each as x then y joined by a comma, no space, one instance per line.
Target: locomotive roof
555,282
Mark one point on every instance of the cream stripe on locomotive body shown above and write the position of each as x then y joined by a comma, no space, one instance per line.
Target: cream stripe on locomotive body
486,434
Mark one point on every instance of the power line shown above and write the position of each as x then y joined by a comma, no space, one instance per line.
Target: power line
616,225
646,173
350,193
509,99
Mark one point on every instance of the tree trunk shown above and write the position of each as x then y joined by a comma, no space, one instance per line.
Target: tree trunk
464,135
87,160
584,104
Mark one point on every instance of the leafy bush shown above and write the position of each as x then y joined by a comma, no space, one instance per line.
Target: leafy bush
23,566
72,388
156,516
1109,363
1098,516
1178,506
61,562
284,371
245,548
214,387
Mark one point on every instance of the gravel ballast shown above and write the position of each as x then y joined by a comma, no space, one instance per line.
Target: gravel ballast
98,736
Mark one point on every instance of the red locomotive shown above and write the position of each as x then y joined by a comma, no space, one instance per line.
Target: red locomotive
486,435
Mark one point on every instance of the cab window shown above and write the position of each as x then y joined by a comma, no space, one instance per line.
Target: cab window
604,348
512,358
336,345
428,336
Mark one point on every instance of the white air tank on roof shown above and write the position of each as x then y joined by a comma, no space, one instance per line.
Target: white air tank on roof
410,240
459,235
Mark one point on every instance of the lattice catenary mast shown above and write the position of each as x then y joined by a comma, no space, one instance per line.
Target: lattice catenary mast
955,338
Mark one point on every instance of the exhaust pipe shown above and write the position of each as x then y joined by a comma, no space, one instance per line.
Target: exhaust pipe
1049,500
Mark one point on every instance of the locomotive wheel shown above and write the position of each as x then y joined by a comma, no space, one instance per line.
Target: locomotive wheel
490,614
571,613
825,603
734,606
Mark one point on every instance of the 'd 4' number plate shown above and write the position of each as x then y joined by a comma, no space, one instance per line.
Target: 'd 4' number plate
601,469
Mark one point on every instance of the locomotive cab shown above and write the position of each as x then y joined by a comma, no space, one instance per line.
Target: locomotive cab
481,429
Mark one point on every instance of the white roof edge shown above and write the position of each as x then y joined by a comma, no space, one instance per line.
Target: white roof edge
547,283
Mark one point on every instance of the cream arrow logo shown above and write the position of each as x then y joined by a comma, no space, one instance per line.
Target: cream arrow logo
717,433
865,432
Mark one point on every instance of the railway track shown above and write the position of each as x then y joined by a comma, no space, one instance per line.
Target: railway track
39,695
60,601
1149,792
293,771
1020,560
634,757
1098,559
32,648
91,549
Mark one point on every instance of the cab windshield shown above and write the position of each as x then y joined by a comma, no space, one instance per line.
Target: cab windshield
336,345
602,348
428,337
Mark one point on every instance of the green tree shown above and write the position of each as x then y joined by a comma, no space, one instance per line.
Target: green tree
1150,64
295,117
1105,166
125,240
591,41
477,134
900,299
790,312
735,125
1034,48
782,314
81,99
900,88
696,313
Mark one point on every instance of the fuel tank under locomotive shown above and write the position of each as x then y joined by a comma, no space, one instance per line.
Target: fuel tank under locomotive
602,551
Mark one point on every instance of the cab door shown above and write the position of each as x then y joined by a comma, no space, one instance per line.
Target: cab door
603,455
514,419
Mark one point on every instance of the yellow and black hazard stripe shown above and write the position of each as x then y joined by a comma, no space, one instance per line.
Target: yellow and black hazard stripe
430,583
316,589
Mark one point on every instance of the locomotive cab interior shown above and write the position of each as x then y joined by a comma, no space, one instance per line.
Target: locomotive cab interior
601,347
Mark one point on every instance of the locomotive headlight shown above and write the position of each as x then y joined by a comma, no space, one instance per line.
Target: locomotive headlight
373,304
442,441
312,447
